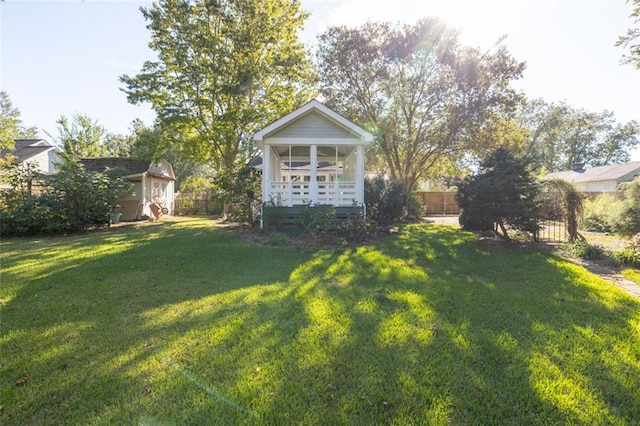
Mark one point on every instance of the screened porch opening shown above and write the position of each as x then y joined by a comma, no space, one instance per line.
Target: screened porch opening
293,181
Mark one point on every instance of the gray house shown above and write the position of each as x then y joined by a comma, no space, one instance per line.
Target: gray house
36,151
599,179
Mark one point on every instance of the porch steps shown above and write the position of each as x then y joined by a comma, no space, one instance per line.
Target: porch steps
291,219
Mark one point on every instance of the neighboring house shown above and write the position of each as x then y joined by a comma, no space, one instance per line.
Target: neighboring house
37,151
153,185
313,156
598,179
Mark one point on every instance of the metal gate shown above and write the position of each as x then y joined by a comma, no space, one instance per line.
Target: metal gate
553,220
552,231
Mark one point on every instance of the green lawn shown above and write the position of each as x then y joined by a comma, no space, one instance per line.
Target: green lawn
180,323
632,274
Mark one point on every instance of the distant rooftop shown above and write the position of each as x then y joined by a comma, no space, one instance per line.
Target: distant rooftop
129,166
28,148
600,173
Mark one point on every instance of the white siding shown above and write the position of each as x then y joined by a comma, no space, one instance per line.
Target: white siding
54,159
313,125
600,186
162,168
41,161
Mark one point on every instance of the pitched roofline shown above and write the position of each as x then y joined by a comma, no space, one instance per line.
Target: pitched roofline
312,105
598,173
42,149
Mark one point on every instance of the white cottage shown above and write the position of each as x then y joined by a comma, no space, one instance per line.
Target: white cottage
313,156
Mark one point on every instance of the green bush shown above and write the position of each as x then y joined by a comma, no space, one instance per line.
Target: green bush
584,250
385,201
353,228
627,256
73,200
595,223
279,240
631,253
240,193
416,207
319,219
628,223
600,213
474,222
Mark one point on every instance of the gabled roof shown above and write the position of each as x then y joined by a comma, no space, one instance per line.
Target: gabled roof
313,105
597,174
28,148
129,166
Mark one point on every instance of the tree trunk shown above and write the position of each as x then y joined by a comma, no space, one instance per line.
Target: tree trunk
505,235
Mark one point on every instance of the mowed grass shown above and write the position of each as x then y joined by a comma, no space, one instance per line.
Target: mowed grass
632,274
181,323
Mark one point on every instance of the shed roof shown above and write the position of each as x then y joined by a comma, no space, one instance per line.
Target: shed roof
598,174
128,165
28,148
323,110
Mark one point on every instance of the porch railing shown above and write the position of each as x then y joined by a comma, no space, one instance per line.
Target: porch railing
300,193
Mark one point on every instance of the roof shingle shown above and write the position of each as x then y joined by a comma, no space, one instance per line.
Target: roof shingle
128,165
597,174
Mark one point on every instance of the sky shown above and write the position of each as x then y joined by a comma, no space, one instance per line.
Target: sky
60,57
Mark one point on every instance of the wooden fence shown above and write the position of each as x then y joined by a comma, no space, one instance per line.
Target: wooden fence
193,204
439,203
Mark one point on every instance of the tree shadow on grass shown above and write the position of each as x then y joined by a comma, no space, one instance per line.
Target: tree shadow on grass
429,327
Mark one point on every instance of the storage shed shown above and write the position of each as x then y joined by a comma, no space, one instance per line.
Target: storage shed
153,185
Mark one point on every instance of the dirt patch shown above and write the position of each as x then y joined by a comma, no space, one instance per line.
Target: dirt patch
443,220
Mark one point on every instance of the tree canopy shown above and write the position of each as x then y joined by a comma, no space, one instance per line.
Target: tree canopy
557,136
81,137
11,127
422,94
224,70
631,40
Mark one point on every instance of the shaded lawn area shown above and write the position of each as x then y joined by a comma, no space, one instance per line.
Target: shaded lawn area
179,322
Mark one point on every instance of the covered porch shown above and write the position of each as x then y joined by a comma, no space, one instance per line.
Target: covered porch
313,156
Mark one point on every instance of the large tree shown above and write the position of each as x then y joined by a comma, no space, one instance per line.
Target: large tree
422,94
631,40
11,126
224,70
557,136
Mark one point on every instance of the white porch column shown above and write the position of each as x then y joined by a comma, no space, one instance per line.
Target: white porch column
360,174
313,184
266,172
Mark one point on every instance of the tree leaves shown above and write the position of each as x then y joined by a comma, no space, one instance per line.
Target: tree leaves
557,136
224,70
422,94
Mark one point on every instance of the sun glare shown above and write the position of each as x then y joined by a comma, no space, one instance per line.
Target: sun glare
476,20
